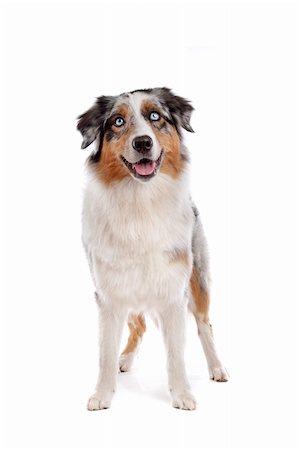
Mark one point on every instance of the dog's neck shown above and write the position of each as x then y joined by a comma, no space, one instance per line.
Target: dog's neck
162,189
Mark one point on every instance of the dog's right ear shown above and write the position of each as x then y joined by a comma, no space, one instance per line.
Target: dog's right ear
91,123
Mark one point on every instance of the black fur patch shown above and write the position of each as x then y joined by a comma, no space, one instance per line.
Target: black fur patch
92,123
148,91
195,210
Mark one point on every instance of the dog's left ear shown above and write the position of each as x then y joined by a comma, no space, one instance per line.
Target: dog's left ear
179,108
91,123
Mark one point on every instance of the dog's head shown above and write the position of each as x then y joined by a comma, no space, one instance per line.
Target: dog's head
138,134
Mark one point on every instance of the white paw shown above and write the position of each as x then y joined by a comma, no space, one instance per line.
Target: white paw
219,374
97,402
126,362
183,400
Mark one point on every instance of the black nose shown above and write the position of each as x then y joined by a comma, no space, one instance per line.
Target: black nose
142,144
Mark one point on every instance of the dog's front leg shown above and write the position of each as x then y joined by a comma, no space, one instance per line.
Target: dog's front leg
173,327
111,326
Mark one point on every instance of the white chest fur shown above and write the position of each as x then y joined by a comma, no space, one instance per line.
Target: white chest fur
130,231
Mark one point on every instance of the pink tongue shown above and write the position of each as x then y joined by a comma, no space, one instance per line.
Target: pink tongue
145,169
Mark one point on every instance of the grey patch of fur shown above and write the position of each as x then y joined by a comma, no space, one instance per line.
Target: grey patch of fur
200,251
179,108
185,153
91,123
97,298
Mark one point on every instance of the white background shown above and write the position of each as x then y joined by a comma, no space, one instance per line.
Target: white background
238,63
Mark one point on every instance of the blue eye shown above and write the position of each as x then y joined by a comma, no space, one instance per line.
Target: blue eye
119,121
154,116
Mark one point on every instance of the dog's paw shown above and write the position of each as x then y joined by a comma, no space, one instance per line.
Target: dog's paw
97,402
219,374
183,400
126,362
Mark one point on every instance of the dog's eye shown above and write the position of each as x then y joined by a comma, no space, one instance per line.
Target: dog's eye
119,121
154,116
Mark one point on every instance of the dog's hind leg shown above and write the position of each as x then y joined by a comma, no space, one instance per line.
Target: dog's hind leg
199,299
199,305
137,328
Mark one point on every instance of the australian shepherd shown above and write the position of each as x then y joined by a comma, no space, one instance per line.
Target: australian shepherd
143,235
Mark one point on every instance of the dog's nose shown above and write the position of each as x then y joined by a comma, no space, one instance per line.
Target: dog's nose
142,144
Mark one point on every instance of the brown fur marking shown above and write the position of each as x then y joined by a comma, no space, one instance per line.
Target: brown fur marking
147,106
137,328
200,297
179,256
110,167
173,163
122,111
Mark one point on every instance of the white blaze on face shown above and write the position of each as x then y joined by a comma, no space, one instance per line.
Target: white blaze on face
142,127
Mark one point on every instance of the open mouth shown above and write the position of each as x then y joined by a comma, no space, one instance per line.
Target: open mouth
145,168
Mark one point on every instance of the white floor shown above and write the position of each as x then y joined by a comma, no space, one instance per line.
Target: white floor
46,408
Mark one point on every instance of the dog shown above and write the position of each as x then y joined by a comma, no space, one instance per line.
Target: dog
143,236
